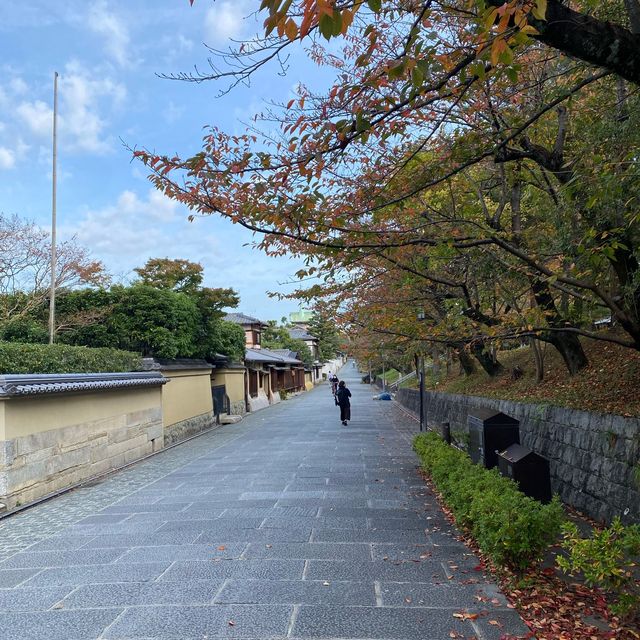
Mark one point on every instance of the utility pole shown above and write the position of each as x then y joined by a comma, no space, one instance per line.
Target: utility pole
52,296
421,375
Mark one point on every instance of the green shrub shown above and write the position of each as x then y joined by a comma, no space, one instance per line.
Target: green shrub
607,559
511,528
16,357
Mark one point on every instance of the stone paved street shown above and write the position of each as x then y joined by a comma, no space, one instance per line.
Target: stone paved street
286,525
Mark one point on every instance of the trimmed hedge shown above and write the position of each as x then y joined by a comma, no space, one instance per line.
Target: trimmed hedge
511,528
17,357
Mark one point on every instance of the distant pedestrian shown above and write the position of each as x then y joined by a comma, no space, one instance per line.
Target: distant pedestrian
342,396
334,383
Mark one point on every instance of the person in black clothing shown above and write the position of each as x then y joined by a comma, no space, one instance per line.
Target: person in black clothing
342,395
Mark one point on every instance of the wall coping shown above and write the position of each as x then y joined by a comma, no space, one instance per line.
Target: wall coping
178,364
21,385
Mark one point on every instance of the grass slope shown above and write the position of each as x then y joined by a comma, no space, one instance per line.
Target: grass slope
610,384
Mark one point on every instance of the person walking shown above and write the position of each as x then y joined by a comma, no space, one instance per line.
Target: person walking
342,396
334,384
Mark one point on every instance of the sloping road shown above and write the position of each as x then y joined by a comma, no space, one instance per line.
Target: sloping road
286,525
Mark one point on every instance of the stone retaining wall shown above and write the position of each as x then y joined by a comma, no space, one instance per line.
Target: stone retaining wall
187,428
59,430
594,458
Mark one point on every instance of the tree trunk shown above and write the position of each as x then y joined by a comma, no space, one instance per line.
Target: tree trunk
486,360
435,354
567,343
538,358
600,43
467,365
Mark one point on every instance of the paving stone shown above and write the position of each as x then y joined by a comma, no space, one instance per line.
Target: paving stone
312,550
28,559
424,571
278,522
98,573
477,597
139,540
398,524
359,535
104,518
383,623
305,510
216,525
217,621
417,552
61,542
297,592
276,569
143,593
127,507
333,502
171,553
267,536
506,624
25,599
56,625
12,577
339,512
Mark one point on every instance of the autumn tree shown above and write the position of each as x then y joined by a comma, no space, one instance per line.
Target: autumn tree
448,131
165,273
25,269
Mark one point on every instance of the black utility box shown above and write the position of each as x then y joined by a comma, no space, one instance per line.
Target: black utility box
528,469
444,430
490,431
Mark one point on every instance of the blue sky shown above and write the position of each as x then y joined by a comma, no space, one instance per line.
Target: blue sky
108,53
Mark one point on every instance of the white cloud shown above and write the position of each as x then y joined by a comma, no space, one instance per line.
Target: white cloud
37,116
81,125
7,158
18,85
134,228
128,227
173,112
107,24
224,20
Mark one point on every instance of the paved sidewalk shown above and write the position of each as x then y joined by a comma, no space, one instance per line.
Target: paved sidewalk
286,525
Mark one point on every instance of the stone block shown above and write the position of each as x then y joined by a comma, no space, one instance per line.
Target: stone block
155,431
143,416
116,461
138,452
73,458
7,453
624,427
118,448
99,452
99,467
25,476
34,442
36,456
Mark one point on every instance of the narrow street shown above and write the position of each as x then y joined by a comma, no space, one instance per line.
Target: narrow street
286,525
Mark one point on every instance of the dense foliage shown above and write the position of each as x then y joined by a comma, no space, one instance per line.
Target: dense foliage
57,358
607,559
277,337
173,318
511,528
152,321
469,179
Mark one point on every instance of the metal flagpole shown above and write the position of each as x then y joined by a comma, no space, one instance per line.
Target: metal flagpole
52,296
